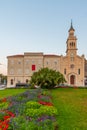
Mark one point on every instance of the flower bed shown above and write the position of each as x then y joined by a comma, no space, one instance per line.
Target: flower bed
31,110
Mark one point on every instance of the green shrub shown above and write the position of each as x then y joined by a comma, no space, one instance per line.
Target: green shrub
20,123
4,105
48,110
34,109
34,113
33,104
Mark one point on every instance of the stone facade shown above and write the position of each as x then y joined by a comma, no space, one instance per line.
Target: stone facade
72,66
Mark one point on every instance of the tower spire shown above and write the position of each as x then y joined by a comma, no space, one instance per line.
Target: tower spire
71,27
71,24
71,41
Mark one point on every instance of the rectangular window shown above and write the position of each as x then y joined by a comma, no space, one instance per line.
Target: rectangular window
12,71
79,71
19,71
64,71
72,58
12,62
33,67
39,62
55,62
11,81
27,62
19,62
47,62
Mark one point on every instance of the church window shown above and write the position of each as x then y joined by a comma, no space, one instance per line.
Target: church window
72,54
72,58
72,66
72,43
64,71
79,71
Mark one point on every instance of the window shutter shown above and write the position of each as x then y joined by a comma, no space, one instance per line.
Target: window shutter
33,67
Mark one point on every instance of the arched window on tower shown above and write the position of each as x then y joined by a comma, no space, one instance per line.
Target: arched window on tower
72,44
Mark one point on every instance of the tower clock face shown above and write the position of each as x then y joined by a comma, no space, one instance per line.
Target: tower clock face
72,54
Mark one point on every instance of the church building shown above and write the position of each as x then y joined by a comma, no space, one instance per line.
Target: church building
72,66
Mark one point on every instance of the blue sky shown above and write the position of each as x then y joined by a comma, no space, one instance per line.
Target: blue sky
40,25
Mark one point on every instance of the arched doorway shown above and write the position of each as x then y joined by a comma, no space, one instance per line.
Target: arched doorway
72,79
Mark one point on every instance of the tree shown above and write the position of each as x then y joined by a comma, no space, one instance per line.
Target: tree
3,79
47,78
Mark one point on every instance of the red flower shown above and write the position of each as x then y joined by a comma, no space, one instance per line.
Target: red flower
6,117
11,114
4,124
39,96
4,100
46,103
6,127
0,127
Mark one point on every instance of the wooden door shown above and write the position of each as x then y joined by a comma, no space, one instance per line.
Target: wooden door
72,79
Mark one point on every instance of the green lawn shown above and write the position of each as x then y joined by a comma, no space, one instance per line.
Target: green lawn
10,92
72,108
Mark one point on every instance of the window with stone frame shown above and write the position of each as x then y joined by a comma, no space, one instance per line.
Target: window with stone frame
72,57
11,71
79,71
19,71
55,62
65,71
12,61
19,62
11,82
27,71
27,62
72,66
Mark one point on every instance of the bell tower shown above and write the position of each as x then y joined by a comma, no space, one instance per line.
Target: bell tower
71,42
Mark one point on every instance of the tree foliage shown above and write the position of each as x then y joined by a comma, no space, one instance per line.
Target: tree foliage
47,78
3,79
